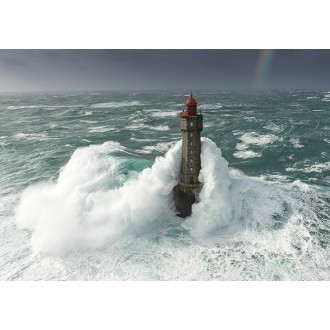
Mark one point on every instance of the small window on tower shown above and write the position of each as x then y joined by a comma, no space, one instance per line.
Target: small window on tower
191,134
191,180
191,161
191,169
191,143
191,152
191,124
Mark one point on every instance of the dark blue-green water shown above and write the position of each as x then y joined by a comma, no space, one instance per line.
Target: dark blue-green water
85,187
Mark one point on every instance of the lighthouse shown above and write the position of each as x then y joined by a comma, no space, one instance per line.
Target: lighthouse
186,192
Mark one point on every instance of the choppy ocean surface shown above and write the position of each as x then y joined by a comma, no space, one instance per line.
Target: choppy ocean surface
86,181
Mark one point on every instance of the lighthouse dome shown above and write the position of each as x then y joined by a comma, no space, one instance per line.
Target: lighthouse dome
191,100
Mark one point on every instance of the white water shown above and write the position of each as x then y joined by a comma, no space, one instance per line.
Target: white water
214,211
93,204
247,227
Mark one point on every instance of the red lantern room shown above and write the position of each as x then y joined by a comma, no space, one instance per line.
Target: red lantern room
191,107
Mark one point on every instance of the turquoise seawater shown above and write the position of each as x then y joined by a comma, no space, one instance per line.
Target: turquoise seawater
85,192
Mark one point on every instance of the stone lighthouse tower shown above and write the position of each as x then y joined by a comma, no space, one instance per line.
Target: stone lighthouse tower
186,192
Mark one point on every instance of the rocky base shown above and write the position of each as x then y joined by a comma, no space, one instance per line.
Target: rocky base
183,199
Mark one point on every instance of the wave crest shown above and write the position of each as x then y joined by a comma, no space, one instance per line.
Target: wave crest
94,202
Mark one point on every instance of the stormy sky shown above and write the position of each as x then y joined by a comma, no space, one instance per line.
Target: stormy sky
73,70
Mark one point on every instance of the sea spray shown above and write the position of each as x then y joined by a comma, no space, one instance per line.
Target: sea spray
95,203
90,206
213,212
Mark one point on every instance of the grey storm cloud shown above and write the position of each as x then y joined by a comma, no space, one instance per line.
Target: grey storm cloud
60,70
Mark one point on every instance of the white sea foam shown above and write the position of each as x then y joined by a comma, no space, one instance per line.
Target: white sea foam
144,126
316,168
163,114
311,97
237,132
236,207
242,146
88,121
255,139
210,106
319,168
89,206
31,136
117,104
274,177
47,107
293,169
161,147
93,204
301,185
258,139
272,127
296,144
245,154
142,140
251,118
101,129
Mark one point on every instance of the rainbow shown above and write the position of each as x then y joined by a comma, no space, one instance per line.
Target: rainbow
262,67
